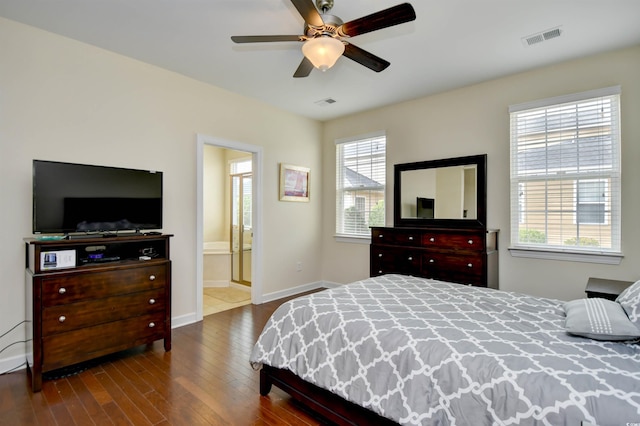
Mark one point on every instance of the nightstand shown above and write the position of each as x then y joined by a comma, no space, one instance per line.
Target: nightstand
607,289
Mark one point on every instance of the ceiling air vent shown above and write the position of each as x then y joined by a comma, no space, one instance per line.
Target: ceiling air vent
324,102
542,36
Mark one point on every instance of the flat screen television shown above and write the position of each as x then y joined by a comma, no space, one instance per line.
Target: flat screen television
81,198
425,207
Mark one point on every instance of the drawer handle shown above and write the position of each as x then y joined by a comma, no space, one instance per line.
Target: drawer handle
152,277
410,258
152,324
62,290
380,236
380,255
152,301
470,265
410,238
380,271
470,241
62,318
432,239
431,261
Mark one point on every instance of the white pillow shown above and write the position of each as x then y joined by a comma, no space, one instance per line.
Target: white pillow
599,319
629,299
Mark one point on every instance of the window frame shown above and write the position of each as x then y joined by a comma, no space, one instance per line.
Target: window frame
342,235
611,178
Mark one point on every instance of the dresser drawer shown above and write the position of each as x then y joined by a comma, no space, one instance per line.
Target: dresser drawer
450,241
446,266
64,349
399,237
390,260
69,288
64,318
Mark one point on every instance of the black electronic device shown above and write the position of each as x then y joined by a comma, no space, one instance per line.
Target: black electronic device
425,208
82,198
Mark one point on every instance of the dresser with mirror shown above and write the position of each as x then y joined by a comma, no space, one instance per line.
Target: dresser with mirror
440,231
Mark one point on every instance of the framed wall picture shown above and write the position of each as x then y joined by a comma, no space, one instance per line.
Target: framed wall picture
294,183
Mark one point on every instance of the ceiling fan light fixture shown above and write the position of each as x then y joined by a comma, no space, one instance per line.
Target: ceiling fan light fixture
323,52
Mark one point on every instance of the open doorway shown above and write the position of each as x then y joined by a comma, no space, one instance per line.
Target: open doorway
229,251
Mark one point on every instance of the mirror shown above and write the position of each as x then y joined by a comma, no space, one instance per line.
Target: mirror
446,192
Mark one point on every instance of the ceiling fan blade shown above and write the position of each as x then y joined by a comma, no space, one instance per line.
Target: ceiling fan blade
365,58
385,18
265,38
304,69
308,12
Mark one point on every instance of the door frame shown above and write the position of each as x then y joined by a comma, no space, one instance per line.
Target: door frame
256,250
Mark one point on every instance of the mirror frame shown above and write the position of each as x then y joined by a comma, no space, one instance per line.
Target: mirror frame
480,161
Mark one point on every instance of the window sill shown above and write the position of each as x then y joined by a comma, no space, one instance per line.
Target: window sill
570,256
353,239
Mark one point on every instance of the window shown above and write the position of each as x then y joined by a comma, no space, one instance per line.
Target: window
591,201
565,174
360,184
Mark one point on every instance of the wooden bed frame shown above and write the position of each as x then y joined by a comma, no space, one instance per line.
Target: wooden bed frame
323,402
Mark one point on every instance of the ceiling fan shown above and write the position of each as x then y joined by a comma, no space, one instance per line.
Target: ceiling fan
326,37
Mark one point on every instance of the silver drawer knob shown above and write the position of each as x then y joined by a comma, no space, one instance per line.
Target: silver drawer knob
380,236
469,265
410,258
410,238
152,301
380,255
470,241
62,290
431,261
432,239
380,271
62,318
152,324
152,277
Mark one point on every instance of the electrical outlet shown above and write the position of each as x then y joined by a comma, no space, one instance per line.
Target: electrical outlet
299,265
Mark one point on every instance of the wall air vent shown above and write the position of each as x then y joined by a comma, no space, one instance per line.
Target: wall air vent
537,38
324,102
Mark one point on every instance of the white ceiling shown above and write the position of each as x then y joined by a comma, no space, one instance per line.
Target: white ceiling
452,43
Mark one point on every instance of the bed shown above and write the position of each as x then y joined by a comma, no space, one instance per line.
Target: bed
399,349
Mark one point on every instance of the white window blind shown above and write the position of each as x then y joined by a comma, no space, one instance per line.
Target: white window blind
565,173
360,184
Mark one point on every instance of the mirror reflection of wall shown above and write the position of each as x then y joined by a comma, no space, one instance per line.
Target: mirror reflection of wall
470,193
453,190
449,192
417,183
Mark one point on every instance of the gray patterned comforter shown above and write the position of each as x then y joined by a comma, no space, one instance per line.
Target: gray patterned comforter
433,353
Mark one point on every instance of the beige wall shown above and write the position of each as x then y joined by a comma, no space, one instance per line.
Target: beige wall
67,101
214,194
475,120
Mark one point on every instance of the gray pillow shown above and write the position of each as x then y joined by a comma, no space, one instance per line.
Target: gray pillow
599,319
629,299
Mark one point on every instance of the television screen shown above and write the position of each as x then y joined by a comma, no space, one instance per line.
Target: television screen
425,208
85,198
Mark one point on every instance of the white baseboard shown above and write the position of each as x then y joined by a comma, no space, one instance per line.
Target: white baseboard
270,297
183,320
240,287
215,283
15,363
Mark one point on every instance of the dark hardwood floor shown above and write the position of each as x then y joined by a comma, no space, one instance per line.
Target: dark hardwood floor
205,379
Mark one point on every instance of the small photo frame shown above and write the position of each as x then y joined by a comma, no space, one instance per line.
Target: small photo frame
294,183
